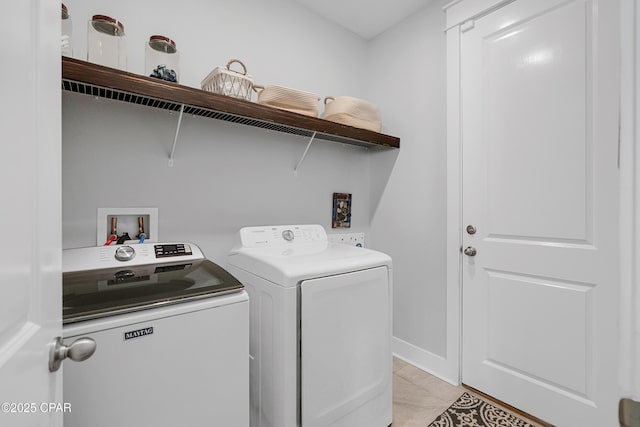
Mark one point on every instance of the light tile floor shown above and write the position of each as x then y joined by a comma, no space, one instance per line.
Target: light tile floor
419,397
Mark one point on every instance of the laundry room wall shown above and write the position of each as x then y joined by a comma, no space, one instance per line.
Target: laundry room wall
225,176
408,76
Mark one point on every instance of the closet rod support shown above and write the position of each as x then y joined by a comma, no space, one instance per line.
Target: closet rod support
175,139
295,170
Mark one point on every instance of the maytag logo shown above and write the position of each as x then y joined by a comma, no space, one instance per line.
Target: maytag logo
138,333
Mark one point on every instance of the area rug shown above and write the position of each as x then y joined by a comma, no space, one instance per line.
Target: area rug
471,411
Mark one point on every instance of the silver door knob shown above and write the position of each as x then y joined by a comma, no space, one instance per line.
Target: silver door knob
470,251
79,350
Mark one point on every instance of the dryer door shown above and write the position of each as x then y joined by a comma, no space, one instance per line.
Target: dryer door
346,349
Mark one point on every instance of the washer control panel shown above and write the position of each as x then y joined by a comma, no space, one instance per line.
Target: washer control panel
91,258
178,249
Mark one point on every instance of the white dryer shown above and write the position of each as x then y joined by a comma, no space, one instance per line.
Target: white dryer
320,328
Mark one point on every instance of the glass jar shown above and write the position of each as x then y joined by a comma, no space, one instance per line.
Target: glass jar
162,59
106,42
65,32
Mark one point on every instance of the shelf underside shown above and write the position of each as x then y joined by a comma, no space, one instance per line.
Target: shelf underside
90,79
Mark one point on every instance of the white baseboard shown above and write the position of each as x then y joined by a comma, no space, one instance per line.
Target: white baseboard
446,370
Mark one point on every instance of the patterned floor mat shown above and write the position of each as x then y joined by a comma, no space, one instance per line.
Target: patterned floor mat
471,411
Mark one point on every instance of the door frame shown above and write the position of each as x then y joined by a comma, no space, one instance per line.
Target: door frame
629,373
460,11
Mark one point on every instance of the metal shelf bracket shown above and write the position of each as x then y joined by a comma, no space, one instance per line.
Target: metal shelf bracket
175,139
295,170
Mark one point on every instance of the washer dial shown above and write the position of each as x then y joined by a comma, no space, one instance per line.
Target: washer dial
125,253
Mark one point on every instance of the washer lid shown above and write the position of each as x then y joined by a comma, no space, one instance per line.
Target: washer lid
92,294
288,265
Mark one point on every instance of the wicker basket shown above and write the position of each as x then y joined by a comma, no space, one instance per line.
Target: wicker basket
284,98
353,112
225,81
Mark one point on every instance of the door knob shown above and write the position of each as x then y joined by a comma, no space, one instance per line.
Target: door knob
470,251
79,350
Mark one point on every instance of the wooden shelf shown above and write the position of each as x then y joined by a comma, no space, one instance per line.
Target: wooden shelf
91,79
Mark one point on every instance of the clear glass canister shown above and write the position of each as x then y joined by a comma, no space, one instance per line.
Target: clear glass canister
106,42
162,59
65,32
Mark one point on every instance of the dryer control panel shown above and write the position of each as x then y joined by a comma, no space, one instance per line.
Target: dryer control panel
254,237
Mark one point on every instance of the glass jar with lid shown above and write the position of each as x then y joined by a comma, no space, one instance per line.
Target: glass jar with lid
162,59
65,32
106,42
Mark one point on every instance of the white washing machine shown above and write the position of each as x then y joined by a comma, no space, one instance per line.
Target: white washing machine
172,336
320,328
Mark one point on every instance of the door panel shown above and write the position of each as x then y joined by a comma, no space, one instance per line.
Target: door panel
30,277
537,307
536,126
539,126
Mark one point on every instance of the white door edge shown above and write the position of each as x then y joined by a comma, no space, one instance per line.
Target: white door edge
629,375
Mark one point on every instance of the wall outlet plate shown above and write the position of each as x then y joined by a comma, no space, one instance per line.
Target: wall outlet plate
127,221
353,239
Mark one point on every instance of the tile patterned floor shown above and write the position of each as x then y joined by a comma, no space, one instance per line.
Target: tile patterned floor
418,397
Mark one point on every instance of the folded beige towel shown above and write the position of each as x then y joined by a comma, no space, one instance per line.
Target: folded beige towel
353,112
288,99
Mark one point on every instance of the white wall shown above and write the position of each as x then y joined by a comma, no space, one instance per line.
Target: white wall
407,77
225,176
279,41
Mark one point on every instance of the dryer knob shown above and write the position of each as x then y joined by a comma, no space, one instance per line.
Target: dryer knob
287,235
125,253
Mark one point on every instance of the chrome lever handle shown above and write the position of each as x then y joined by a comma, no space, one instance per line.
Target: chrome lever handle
470,251
79,350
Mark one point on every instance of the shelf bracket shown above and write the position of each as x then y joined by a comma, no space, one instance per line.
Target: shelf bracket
306,150
175,139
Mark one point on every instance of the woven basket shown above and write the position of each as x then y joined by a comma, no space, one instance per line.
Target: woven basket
284,98
225,81
352,112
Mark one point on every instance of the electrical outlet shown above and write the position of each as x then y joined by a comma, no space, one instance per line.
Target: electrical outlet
354,239
126,220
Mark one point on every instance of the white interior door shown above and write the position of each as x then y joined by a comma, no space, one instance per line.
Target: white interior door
540,178
30,253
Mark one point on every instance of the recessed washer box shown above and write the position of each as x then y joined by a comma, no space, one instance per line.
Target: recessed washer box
127,221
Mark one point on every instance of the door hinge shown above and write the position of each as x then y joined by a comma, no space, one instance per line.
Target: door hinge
629,413
467,25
